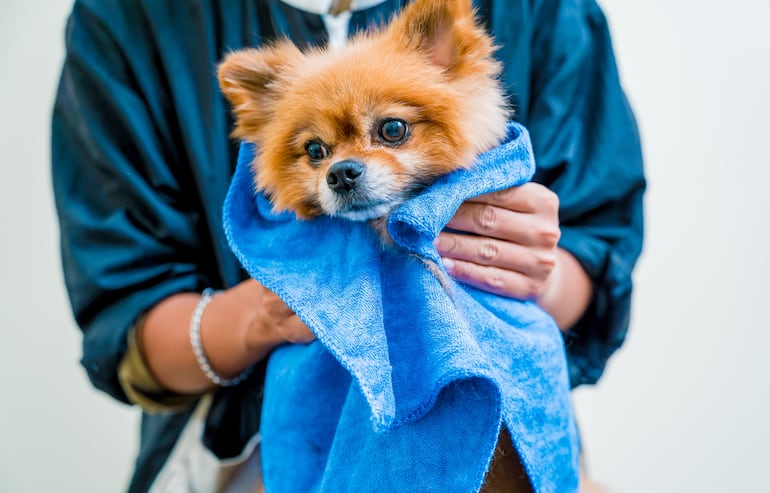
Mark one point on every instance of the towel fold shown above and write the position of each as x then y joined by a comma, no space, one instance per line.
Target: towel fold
408,383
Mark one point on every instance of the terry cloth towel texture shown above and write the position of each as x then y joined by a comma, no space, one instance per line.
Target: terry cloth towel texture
407,386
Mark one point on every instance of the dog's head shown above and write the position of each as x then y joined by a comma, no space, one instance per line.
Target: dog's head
354,132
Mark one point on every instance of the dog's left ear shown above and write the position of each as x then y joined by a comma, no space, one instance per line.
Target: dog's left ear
247,78
445,30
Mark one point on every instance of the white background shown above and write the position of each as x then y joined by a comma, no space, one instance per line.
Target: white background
684,406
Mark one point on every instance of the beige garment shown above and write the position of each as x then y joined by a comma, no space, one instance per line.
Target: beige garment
141,386
192,468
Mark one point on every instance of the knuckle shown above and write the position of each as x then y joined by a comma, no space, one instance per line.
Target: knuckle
293,333
548,197
487,219
548,236
553,202
545,261
450,243
463,271
488,251
534,289
269,298
525,288
274,306
501,196
545,200
496,281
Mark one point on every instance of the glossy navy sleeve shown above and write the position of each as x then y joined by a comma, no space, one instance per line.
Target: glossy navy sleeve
588,151
130,223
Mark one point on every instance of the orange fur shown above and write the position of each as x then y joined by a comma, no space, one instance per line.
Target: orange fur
431,67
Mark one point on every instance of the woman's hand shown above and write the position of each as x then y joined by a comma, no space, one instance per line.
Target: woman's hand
513,251
266,318
239,327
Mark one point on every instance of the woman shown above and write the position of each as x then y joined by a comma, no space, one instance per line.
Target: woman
142,162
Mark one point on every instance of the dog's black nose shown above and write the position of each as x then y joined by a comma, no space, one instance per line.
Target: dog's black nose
342,175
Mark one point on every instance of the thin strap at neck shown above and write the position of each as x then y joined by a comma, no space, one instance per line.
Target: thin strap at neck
339,6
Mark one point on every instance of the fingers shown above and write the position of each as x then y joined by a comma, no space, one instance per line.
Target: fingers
527,215
275,306
494,280
490,252
294,330
271,319
528,198
287,323
511,250
496,266
494,222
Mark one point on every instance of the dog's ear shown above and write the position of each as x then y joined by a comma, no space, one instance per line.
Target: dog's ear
247,78
446,30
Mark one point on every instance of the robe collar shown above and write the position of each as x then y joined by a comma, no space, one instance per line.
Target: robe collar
322,6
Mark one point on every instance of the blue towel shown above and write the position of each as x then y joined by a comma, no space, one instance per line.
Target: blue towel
408,383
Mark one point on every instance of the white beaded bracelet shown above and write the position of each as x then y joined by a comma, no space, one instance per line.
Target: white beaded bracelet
197,346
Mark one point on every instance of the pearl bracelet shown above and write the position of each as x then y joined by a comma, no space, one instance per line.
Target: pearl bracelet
197,346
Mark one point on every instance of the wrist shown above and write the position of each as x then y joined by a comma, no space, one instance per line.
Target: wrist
223,325
165,339
201,356
567,292
551,287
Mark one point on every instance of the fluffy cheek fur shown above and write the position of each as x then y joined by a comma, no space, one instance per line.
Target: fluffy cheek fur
448,128
293,182
289,183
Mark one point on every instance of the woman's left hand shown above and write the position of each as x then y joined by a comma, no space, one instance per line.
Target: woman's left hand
513,249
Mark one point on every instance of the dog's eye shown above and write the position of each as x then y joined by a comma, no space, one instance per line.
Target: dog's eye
317,151
393,131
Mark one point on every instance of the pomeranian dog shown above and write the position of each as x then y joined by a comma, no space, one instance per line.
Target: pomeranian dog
354,132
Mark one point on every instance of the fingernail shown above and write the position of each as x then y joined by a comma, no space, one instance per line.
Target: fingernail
448,263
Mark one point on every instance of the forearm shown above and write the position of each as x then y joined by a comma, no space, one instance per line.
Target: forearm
567,292
165,341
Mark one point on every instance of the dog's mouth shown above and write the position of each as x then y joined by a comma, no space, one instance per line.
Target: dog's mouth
367,203
357,192
365,210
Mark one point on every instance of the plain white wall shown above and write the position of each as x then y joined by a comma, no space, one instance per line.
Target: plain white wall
684,406
56,432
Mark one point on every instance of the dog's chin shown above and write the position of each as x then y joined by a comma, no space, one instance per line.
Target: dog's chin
364,212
